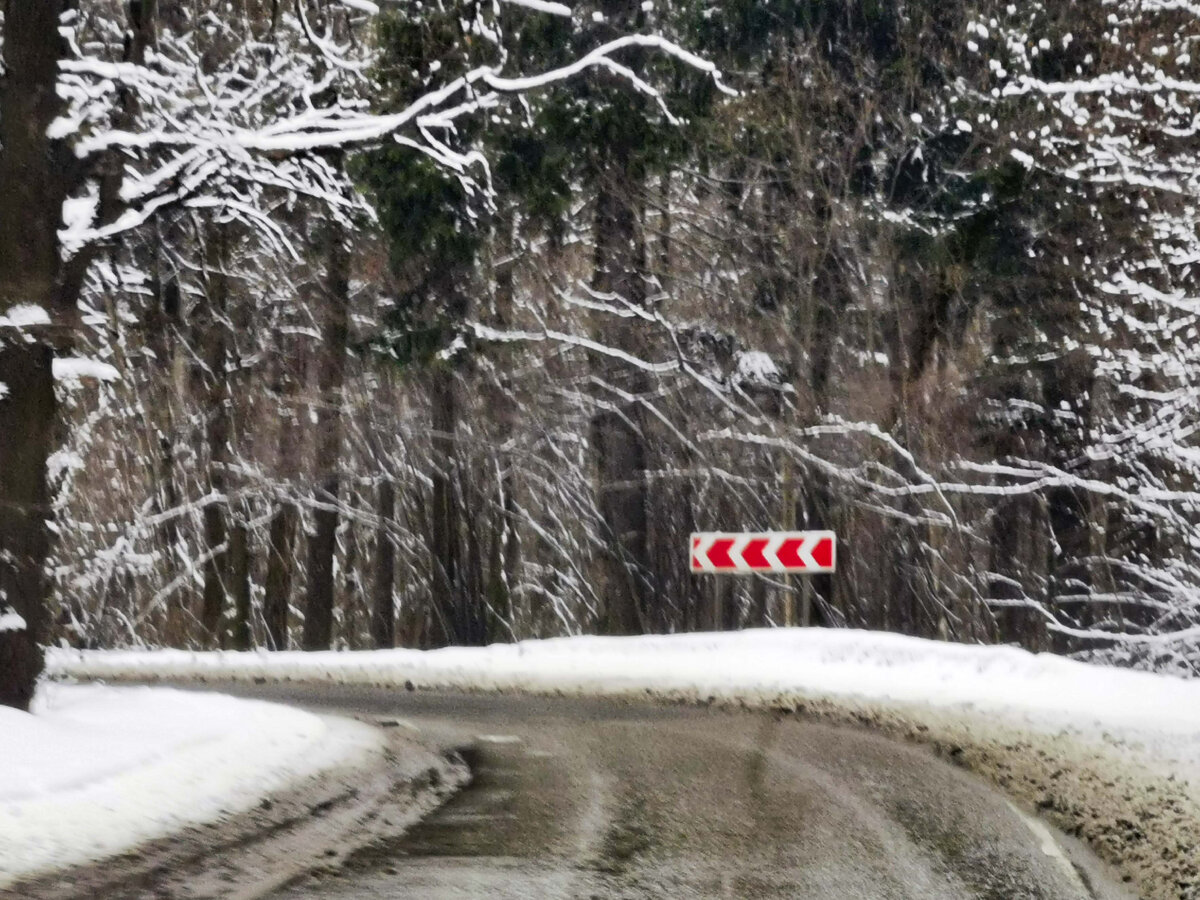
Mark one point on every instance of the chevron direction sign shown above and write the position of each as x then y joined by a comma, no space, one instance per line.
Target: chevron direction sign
734,552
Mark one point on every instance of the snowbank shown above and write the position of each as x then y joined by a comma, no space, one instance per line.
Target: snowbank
1110,755
95,770
748,666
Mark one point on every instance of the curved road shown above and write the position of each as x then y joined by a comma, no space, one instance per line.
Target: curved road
592,800
596,799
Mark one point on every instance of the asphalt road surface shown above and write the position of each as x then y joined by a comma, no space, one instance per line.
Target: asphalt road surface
592,800
596,799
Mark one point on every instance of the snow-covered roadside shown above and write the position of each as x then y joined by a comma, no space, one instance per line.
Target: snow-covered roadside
95,770
1111,755
756,666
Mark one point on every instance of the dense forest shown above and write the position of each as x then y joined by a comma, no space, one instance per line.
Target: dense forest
352,324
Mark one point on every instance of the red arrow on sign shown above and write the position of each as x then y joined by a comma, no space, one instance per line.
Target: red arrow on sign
789,553
718,553
822,553
812,552
753,554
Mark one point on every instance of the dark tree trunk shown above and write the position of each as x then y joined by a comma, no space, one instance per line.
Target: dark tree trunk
213,603
1012,521
239,583
27,413
832,295
617,436
213,337
322,546
33,184
32,167
449,596
383,607
504,545
1069,381
163,321
278,587
277,590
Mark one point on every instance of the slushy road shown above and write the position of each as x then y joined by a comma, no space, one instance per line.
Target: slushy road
598,799
592,800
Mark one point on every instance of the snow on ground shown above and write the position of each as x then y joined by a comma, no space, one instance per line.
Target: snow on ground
95,770
751,666
1111,755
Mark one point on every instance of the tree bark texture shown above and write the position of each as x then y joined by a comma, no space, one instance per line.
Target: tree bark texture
277,593
383,607
213,337
616,428
239,583
322,545
34,172
278,586
451,599
27,412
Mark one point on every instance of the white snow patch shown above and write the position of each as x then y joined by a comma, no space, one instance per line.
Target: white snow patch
24,315
1050,847
73,368
78,214
9,619
554,9
457,346
756,367
95,770
1023,158
498,738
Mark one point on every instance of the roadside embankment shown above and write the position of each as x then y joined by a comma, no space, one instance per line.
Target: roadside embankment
103,773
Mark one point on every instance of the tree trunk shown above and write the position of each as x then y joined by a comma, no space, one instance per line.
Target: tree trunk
383,607
27,411
504,544
443,515
616,428
277,590
1069,380
832,295
322,546
33,184
214,338
239,583
278,587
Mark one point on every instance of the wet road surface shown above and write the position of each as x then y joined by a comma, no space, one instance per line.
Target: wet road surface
594,799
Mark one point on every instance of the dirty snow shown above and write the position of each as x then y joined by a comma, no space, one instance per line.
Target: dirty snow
95,770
